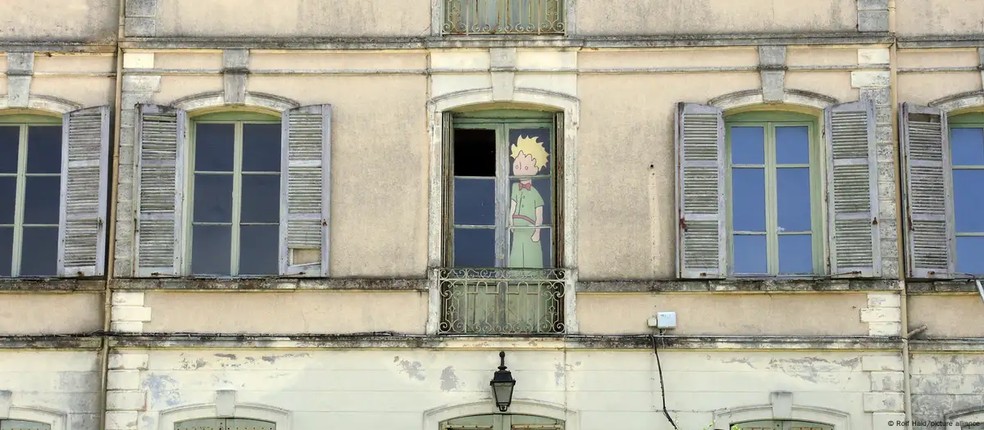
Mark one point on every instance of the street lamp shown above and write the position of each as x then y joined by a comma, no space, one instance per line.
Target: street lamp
502,384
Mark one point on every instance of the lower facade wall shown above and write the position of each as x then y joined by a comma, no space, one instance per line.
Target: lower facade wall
56,387
944,384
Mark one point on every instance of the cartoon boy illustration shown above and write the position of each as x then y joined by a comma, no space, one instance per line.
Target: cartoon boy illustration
526,208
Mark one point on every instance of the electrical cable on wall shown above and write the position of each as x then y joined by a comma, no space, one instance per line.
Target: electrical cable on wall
662,390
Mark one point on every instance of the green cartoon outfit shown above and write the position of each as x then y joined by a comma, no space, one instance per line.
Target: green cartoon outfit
525,253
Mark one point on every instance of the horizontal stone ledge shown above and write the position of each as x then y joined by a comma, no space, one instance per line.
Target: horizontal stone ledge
739,286
389,340
72,342
948,286
957,345
940,41
76,46
273,284
52,284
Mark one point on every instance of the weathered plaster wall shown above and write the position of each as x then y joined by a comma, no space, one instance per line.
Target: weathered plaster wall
939,17
951,72
960,315
77,20
293,18
50,313
332,312
638,17
725,314
64,382
946,383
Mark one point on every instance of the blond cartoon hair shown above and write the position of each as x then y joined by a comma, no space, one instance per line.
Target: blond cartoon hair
530,145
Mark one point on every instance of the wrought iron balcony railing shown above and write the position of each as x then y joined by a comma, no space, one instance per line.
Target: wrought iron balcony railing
504,17
502,301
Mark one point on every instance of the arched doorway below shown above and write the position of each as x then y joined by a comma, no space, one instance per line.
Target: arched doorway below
502,422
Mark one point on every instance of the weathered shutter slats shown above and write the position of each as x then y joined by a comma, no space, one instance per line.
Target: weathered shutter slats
306,187
700,191
160,133
852,187
928,192
85,182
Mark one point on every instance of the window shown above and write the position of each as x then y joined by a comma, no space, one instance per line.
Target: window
225,424
30,186
774,185
502,422
235,227
782,425
504,17
23,425
967,169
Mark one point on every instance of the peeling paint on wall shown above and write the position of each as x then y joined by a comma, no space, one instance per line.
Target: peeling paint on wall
162,389
413,369
449,381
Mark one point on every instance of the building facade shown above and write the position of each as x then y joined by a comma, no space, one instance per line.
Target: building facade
242,214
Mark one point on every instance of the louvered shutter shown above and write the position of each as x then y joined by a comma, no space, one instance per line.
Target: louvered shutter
852,186
928,192
248,424
700,191
305,188
84,191
160,132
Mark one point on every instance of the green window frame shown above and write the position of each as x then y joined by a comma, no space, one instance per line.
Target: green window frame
781,425
503,422
770,122
238,120
26,123
225,424
961,122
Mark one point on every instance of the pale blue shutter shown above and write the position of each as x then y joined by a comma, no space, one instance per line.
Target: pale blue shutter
928,192
84,193
701,232
161,143
852,187
306,189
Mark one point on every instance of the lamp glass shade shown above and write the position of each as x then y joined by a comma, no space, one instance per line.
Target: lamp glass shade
503,391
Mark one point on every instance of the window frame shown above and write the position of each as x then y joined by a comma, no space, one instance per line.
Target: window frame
502,121
785,424
24,121
770,120
238,119
444,27
969,120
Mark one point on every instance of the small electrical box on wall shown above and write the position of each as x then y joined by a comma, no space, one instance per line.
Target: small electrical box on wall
663,320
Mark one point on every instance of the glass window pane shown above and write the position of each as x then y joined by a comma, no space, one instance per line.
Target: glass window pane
261,198
748,199
750,254
970,255
793,198
967,146
535,145
793,145
6,250
42,195
9,148
44,149
213,198
747,145
544,187
259,249
261,147
474,247
211,248
474,152
968,200
8,194
474,201
214,147
795,254
39,255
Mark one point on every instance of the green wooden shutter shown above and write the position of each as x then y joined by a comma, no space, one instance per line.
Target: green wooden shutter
700,191
84,192
852,187
23,425
928,192
200,424
161,138
306,188
248,424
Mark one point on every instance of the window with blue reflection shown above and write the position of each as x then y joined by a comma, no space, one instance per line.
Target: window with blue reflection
771,195
967,155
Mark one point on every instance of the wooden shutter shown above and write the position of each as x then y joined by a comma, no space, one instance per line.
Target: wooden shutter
23,425
852,187
200,424
928,192
161,137
306,188
84,192
247,424
700,191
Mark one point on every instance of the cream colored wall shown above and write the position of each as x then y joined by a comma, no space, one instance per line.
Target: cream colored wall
64,382
947,315
293,18
77,20
918,84
635,17
50,313
939,17
725,314
946,383
331,312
